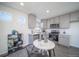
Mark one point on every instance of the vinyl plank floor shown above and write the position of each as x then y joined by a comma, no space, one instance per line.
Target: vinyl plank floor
60,51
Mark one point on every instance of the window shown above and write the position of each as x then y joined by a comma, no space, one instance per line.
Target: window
5,16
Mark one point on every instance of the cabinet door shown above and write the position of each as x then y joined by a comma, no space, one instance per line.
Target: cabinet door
44,24
56,20
50,21
75,16
61,40
64,40
64,21
31,21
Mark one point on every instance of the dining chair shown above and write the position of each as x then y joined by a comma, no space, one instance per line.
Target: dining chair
32,51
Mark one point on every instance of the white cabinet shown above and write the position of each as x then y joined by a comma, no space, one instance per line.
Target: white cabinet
54,20
50,21
64,21
31,21
75,16
44,24
64,40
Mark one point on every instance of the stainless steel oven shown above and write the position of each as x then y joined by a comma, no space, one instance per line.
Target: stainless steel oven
53,35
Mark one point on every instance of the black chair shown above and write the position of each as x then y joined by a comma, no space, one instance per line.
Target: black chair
34,52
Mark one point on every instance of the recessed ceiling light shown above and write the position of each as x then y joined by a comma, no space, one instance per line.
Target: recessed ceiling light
22,4
47,11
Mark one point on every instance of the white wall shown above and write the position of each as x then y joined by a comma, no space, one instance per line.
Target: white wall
74,32
15,23
3,39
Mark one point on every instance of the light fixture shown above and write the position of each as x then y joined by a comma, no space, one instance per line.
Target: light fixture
22,4
47,11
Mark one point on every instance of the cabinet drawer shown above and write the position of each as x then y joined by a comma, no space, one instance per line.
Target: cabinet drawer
64,40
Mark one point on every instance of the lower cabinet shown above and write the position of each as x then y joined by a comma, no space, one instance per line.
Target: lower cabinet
64,40
30,39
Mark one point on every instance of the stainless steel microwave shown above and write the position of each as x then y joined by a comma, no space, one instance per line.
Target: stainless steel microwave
54,26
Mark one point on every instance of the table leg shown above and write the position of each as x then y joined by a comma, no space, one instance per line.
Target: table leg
49,53
54,52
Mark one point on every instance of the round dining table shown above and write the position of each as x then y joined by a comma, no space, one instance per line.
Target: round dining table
48,45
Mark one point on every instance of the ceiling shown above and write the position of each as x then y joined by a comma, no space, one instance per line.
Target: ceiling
39,8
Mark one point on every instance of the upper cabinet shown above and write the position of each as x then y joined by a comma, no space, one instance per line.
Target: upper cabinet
54,20
31,21
49,21
75,16
44,23
65,21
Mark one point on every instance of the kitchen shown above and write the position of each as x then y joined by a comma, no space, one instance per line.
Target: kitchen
64,24
61,29
60,24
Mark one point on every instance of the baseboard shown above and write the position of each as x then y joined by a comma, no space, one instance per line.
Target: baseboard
4,55
73,47
64,45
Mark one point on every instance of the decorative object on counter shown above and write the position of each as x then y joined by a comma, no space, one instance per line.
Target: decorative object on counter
45,36
14,41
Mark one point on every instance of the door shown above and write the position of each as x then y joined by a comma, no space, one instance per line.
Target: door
74,31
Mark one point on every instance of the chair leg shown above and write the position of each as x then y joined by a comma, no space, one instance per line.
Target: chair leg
42,51
47,53
32,48
54,52
28,52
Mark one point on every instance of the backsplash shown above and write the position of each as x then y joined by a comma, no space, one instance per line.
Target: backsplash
61,31
64,31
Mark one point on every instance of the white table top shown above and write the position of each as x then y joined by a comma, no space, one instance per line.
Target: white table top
44,45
